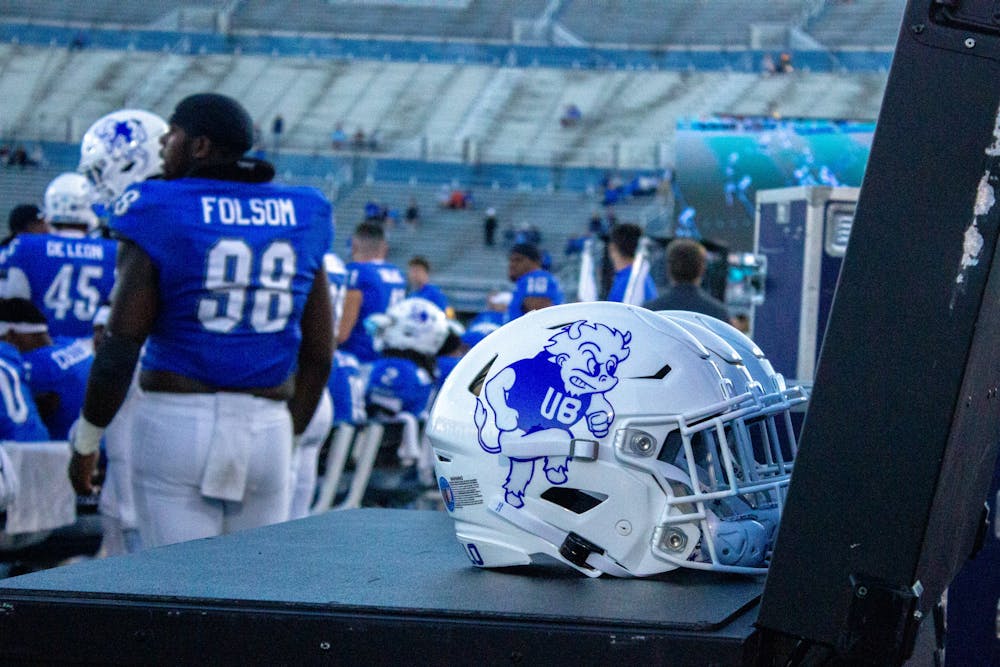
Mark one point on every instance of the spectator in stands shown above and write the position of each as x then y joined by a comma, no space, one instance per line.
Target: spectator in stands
80,41
358,140
785,63
25,219
490,227
444,195
686,264
373,140
20,158
375,212
56,370
622,246
418,278
338,138
767,66
412,213
458,199
571,116
277,129
534,288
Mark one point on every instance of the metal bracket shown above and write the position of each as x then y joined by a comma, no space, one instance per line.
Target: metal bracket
882,621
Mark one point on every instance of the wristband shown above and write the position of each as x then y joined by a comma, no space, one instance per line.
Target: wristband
86,438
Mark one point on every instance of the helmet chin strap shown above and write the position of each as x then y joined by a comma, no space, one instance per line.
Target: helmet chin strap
589,557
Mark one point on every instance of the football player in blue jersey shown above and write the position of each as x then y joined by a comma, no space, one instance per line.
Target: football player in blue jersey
534,287
65,273
623,243
19,418
373,285
220,276
346,387
55,370
409,336
418,277
334,407
119,149
24,219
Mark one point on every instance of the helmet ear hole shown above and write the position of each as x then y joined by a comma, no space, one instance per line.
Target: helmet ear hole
476,385
577,501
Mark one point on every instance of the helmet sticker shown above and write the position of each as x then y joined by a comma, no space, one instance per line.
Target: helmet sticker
446,493
123,136
459,492
550,398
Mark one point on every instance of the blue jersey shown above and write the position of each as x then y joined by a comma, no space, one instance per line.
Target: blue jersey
336,275
398,385
348,400
618,285
19,419
488,317
345,383
381,285
433,294
445,364
535,283
67,278
537,391
61,368
235,263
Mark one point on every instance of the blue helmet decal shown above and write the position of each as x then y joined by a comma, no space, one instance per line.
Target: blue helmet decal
553,397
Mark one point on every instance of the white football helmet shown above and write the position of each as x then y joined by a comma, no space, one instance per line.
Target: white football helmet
69,200
412,324
602,435
120,149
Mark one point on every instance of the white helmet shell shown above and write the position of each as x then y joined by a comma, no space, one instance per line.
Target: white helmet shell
602,435
412,324
120,149
69,200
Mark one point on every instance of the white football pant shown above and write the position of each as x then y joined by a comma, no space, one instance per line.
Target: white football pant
209,464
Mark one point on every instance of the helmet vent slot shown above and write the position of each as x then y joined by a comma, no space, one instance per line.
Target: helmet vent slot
577,501
658,375
476,385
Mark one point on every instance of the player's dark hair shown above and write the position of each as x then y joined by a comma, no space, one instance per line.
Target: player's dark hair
369,231
686,260
21,311
625,236
420,260
220,118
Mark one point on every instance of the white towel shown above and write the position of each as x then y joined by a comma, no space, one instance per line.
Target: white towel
225,475
45,498
8,480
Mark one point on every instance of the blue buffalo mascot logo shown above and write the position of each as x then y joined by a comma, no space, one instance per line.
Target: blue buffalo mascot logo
546,398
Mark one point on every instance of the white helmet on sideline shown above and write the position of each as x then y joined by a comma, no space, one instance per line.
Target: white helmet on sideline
120,149
69,200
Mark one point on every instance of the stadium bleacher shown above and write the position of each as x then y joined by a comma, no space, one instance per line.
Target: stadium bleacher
465,83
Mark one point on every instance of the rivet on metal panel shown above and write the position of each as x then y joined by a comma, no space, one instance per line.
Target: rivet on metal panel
969,42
